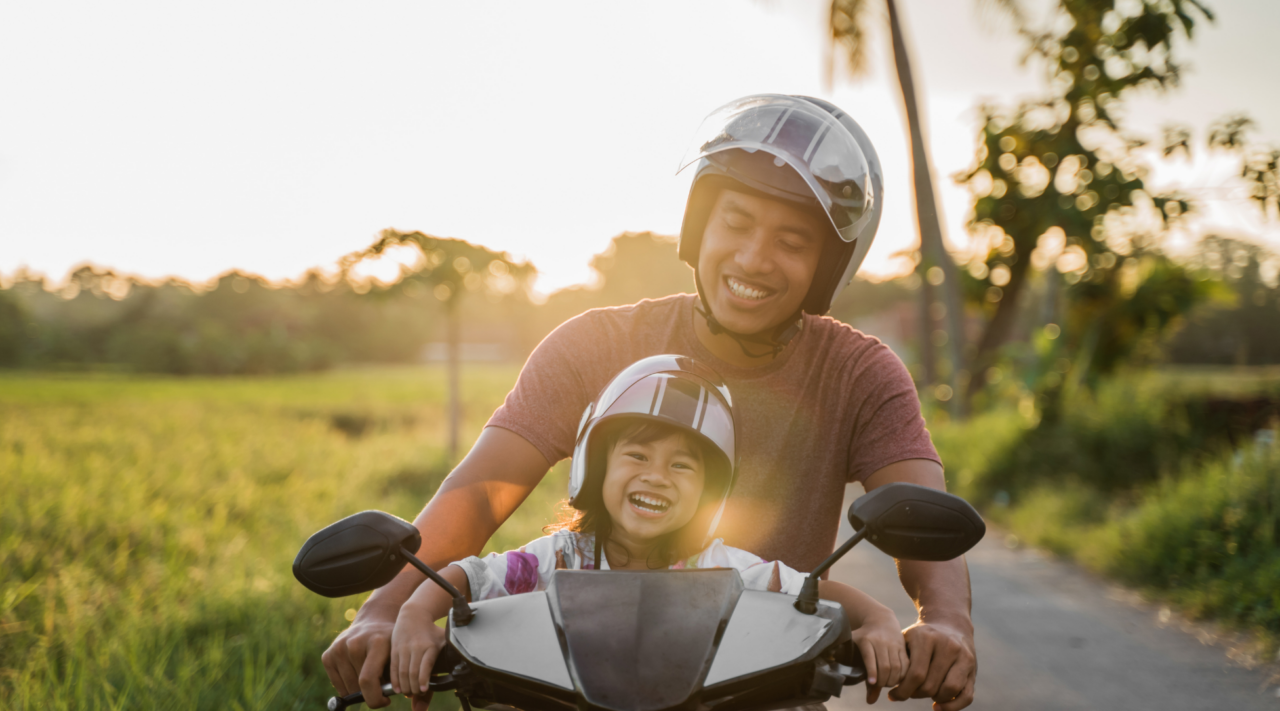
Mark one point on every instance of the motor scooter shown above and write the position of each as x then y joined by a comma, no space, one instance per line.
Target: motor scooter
663,640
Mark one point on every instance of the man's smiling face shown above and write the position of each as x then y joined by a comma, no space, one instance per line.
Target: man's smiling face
757,260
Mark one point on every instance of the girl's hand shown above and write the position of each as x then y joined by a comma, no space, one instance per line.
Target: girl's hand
884,652
416,642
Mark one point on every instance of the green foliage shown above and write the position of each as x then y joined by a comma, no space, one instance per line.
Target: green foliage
15,327
1057,181
1260,167
635,266
1210,539
148,526
1168,482
240,325
1240,330
1119,313
1130,432
448,268
970,449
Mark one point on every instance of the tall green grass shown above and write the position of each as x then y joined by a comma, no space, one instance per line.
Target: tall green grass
147,526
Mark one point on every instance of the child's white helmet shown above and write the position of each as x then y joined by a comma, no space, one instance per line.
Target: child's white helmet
670,389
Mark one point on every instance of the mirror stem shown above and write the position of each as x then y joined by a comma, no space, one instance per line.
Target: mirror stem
807,601
462,613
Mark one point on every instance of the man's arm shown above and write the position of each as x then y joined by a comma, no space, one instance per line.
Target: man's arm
943,663
481,492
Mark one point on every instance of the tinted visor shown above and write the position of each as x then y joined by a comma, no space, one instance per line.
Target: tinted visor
797,133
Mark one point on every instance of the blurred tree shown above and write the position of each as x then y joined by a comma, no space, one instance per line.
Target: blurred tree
1242,330
635,266
848,25
239,324
1056,180
15,328
1259,164
1114,319
448,269
641,265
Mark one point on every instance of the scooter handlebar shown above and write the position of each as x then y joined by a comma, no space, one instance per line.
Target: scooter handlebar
441,680
338,703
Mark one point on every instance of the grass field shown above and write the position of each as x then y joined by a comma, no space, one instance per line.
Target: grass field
147,526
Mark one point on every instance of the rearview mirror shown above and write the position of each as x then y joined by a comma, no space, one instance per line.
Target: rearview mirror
360,553
913,522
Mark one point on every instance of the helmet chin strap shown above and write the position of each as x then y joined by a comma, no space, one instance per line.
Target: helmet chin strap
775,340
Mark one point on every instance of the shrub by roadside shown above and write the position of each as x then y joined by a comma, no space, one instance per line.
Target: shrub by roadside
1151,482
1209,540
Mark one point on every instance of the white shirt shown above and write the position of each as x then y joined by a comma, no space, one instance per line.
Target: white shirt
530,568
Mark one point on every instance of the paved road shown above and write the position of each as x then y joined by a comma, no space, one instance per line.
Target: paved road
1052,638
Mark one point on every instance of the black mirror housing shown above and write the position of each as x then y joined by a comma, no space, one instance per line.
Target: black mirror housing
357,554
913,522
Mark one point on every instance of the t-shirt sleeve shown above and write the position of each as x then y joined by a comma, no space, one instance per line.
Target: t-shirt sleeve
520,571
549,397
888,426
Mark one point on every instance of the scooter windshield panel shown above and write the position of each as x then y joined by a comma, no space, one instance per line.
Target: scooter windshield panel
515,635
641,641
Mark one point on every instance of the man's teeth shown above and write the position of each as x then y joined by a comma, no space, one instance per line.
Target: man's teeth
743,291
648,503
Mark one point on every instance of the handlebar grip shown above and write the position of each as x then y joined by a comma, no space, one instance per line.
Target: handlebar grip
441,680
850,664
338,703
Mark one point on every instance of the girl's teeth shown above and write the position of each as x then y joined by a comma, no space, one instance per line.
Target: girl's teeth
649,504
743,291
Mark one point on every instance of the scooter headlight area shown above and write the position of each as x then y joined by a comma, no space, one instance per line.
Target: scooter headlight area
649,641
661,640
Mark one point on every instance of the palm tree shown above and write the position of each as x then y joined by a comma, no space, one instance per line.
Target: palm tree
848,25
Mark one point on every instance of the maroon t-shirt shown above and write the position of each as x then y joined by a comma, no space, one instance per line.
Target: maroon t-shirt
833,408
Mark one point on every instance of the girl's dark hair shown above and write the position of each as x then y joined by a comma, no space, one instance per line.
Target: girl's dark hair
586,512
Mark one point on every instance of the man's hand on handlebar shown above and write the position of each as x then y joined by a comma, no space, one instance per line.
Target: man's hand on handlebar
356,659
943,666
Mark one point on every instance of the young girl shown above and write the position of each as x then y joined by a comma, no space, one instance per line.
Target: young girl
651,471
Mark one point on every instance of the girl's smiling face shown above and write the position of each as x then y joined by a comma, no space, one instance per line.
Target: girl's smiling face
651,489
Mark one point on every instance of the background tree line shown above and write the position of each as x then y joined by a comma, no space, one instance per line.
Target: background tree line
243,324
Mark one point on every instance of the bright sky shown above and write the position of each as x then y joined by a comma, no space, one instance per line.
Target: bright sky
191,138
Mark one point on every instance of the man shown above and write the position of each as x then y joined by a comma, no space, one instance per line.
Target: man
784,205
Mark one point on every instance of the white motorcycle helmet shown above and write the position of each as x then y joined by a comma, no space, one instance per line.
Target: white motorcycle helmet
669,389
801,150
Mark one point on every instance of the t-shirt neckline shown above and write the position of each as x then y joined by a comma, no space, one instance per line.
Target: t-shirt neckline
727,369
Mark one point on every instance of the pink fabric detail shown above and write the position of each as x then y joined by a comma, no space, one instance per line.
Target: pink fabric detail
522,572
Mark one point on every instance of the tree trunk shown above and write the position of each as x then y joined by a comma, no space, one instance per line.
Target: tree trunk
998,328
933,252
455,384
928,353
1052,297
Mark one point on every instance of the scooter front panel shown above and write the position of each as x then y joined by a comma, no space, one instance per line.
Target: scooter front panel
515,635
641,640
765,632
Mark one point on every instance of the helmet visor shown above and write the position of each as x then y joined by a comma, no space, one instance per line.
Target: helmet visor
800,134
